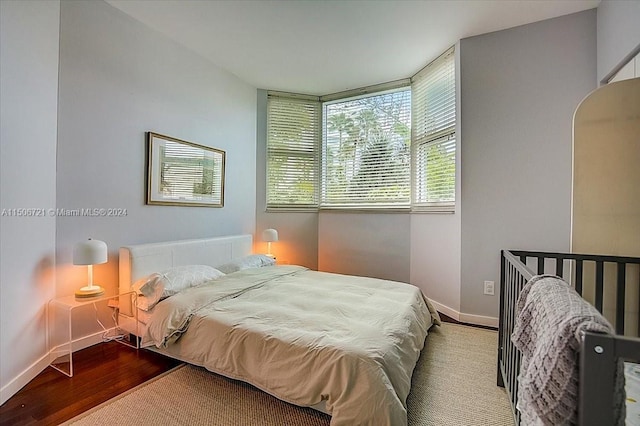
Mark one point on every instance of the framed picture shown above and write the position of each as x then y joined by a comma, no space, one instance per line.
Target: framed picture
181,173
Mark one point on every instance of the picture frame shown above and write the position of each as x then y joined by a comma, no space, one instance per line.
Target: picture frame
182,173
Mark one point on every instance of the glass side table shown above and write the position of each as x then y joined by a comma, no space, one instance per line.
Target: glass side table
103,310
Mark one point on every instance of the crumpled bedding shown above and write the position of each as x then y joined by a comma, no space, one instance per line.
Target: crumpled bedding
303,336
550,320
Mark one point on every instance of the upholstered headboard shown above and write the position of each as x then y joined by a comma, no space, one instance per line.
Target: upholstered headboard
138,261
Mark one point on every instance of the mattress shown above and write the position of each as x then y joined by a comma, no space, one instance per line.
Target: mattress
131,326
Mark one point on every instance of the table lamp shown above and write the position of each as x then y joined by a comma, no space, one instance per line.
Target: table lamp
90,252
269,235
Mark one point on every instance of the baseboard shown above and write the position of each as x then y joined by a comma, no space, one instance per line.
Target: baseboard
465,318
11,388
450,312
479,320
78,344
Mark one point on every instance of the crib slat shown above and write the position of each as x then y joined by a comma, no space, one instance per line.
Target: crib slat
579,271
511,311
597,359
540,265
620,298
559,266
599,285
503,275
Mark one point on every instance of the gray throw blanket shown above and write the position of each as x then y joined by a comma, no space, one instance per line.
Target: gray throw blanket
550,319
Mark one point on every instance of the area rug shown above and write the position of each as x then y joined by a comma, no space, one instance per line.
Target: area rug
453,384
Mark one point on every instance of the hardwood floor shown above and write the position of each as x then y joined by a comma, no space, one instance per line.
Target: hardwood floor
100,373
445,318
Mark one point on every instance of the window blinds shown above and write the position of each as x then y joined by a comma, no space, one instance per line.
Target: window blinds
395,148
433,134
366,151
293,140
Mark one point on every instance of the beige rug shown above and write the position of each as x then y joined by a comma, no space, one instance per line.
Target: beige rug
453,384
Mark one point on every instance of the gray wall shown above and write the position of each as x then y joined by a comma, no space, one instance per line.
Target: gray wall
520,88
28,120
119,79
369,244
618,34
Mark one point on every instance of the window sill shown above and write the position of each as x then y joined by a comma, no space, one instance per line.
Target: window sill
361,210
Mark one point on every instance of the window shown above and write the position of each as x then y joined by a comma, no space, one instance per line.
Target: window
434,134
293,144
392,149
366,151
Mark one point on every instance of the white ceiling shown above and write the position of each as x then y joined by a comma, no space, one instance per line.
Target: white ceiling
321,47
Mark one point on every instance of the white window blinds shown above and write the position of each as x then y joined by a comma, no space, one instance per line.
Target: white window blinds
293,144
433,134
393,149
366,151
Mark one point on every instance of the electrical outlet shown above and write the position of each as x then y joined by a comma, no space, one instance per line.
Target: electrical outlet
489,288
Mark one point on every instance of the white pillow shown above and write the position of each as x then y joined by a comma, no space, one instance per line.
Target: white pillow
158,286
251,261
146,303
149,292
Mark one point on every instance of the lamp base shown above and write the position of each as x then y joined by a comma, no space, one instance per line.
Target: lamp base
89,291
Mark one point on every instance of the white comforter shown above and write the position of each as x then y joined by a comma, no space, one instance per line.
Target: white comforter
304,337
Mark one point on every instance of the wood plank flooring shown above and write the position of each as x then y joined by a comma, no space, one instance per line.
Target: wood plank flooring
101,372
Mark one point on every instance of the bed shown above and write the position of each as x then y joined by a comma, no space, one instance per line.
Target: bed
602,387
341,344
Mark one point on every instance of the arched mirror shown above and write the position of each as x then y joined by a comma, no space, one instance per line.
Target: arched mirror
606,182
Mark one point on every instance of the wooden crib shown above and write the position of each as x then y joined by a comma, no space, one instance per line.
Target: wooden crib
599,353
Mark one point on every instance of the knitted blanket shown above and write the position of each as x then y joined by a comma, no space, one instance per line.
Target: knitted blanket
550,319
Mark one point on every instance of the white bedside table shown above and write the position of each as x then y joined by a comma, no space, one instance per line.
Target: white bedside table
105,313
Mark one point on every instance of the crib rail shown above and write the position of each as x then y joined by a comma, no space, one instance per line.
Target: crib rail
514,275
518,267
599,356
563,268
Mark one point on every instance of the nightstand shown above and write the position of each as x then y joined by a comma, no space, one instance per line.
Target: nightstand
103,310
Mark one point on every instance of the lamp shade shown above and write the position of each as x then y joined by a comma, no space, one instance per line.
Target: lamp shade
269,235
90,252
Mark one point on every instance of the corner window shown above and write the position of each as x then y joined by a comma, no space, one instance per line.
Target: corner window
394,149
293,152
367,151
434,135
